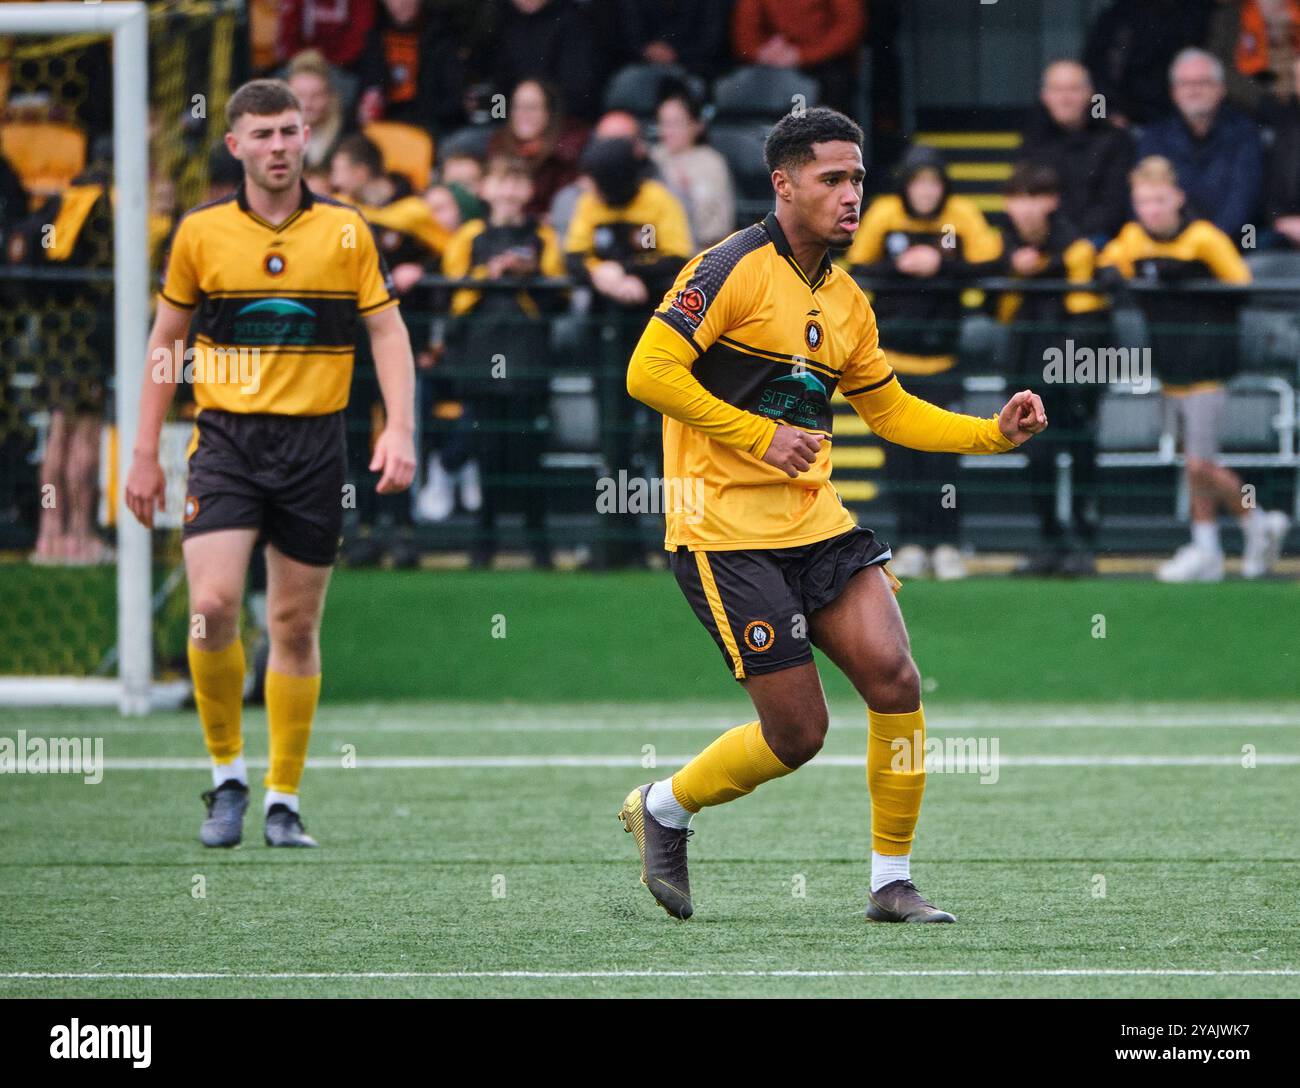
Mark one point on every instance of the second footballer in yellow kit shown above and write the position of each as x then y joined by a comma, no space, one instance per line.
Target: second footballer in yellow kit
742,358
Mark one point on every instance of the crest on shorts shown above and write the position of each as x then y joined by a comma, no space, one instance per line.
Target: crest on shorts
274,263
759,636
691,303
191,508
813,335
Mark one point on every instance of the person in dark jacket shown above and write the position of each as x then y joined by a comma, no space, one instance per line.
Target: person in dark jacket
1040,242
551,41
1282,175
1091,158
1215,150
1129,50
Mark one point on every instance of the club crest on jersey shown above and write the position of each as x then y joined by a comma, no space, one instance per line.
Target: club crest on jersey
274,263
759,636
191,508
813,335
691,304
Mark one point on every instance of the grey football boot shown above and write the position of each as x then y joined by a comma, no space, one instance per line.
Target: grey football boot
226,806
663,855
284,828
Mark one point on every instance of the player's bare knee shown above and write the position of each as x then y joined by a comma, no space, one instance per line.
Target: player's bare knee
213,614
294,633
796,737
896,688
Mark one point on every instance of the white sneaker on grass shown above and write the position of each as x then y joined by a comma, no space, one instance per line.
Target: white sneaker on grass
1263,536
909,561
948,563
1192,563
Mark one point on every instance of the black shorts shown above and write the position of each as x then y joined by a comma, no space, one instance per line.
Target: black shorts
756,603
281,475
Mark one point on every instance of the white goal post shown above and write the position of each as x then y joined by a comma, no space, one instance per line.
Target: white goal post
128,25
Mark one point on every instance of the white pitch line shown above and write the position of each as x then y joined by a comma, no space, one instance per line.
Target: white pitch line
444,763
1054,972
637,721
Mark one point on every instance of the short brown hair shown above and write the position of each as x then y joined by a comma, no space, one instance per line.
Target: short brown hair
507,166
1033,179
261,98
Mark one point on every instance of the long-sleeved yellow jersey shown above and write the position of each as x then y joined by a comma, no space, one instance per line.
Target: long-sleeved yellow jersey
745,341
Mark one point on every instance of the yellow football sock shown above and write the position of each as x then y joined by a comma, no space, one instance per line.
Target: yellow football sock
290,707
895,777
728,768
218,677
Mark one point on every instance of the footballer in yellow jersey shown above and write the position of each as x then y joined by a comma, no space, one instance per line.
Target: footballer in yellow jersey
274,284
742,358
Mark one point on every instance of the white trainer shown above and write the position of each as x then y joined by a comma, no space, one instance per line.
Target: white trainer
909,561
471,491
948,563
437,498
1263,543
1192,563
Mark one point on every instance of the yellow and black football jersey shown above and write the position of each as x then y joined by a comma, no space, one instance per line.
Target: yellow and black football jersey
1193,339
276,307
744,341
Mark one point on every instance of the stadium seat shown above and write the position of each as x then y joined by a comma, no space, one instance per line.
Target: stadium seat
984,345
46,155
1269,339
636,88
742,146
1130,423
407,150
758,92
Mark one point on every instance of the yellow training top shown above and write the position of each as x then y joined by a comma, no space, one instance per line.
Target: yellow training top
276,307
744,340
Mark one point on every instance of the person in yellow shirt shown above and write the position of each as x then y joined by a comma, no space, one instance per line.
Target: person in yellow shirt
1193,353
628,238
742,358
907,238
276,283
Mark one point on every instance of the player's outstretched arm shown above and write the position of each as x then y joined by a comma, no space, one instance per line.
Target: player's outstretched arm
390,345
146,488
898,416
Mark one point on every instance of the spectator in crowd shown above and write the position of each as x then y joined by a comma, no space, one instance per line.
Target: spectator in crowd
1129,50
408,234
498,342
310,79
337,28
1090,156
693,169
822,38
1192,337
906,239
1282,177
537,131
549,42
72,230
414,67
628,240
1040,242
1268,41
410,241
689,33
465,170
1215,149
13,200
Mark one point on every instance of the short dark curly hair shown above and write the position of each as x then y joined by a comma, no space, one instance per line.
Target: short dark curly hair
790,143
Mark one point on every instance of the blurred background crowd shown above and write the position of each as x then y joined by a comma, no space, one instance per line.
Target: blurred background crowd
537,171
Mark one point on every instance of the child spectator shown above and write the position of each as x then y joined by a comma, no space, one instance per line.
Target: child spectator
1192,353
1040,242
498,343
908,237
